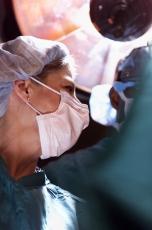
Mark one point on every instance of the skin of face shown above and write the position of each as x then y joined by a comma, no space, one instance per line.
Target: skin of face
46,101
20,147
114,98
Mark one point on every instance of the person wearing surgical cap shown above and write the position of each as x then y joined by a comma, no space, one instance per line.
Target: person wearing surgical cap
110,104
40,117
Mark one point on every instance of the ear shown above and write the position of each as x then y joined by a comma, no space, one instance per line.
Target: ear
114,98
22,89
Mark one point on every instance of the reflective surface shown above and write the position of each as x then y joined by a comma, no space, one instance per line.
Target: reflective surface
96,56
121,20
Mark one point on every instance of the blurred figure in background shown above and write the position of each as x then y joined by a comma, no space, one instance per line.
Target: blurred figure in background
109,104
121,179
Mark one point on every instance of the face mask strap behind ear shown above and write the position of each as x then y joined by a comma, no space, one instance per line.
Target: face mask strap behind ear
38,112
48,87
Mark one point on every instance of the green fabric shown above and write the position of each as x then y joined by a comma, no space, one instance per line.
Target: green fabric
33,203
70,172
122,180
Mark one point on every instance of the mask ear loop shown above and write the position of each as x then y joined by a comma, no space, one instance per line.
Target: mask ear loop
48,87
44,85
29,104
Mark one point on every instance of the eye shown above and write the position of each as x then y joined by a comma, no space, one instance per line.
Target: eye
70,89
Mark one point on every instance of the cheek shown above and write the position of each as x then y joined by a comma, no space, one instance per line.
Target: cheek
52,103
46,102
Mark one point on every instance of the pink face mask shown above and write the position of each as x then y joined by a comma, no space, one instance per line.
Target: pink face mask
60,130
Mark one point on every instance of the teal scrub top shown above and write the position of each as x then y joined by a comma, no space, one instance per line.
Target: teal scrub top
34,203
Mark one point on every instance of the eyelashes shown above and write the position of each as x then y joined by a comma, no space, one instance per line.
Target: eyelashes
70,89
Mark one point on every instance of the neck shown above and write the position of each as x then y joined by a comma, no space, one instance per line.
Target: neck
17,149
19,168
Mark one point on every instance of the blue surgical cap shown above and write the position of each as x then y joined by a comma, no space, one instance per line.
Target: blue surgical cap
23,57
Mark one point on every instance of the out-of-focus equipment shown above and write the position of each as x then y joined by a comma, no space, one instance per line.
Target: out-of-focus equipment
69,22
121,20
50,19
